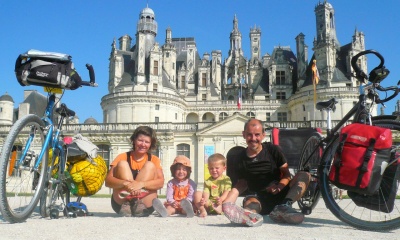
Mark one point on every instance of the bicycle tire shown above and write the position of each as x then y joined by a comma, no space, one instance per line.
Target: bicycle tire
56,194
48,190
346,209
21,188
309,160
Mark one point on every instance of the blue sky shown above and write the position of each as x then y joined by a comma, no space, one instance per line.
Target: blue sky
86,29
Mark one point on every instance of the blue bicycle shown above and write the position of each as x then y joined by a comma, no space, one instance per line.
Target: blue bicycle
33,158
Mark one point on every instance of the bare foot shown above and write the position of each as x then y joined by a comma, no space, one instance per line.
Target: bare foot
217,208
203,213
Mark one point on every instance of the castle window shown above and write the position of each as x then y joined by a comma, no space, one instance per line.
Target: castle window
280,78
182,82
280,95
268,117
183,149
204,97
155,68
156,119
155,86
18,149
282,117
304,108
176,116
251,115
157,107
104,152
203,79
223,116
167,54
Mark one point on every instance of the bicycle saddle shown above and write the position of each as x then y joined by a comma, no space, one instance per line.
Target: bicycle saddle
330,104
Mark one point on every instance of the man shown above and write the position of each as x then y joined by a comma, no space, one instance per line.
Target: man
262,170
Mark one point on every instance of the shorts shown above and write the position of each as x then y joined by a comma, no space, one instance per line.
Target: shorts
117,207
268,200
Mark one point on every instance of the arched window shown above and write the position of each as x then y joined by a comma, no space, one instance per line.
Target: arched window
251,114
223,115
183,149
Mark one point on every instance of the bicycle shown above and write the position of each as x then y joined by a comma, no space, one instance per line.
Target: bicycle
319,151
26,174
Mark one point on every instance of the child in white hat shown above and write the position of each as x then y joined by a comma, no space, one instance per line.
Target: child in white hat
180,190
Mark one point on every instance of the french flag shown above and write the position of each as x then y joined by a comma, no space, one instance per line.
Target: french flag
239,102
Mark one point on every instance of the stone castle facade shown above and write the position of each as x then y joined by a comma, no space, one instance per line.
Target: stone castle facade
171,82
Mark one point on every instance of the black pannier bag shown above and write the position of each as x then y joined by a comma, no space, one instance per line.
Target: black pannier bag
47,69
383,199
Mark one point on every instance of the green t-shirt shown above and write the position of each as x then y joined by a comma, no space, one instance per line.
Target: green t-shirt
217,187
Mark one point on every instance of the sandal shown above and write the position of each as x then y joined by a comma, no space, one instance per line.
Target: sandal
125,195
239,215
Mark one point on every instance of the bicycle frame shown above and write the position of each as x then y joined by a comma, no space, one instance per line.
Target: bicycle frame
51,138
359,111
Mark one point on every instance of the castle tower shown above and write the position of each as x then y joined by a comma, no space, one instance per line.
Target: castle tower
116,68
125,42
236,64
6,109
169,57
235,39
216,61
302,56
255,46
145,40
326,44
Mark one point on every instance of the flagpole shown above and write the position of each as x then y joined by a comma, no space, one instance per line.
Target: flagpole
315,80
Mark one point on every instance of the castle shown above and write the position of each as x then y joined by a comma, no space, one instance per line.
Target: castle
171,82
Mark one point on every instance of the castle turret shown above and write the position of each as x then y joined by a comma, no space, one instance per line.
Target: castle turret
169,57
255,45
6,109
145,40
326,44
302,56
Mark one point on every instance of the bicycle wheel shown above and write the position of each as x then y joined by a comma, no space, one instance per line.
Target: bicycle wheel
309,161
20,184
372,213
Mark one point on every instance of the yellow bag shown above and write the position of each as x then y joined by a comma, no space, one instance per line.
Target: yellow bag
87,176
55,167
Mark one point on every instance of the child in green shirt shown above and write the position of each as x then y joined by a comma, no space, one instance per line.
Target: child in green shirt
216,187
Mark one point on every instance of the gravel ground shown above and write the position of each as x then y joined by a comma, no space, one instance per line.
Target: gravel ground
105,224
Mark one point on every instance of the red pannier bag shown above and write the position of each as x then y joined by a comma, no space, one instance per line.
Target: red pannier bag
361,158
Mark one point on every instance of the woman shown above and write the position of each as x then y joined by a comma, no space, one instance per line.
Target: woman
136,176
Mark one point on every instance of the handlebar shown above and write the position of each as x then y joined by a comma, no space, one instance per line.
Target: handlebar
382,89
376,75
92,81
